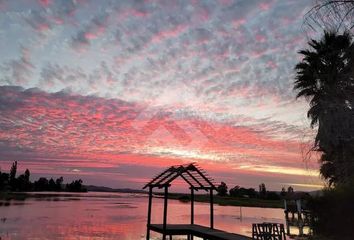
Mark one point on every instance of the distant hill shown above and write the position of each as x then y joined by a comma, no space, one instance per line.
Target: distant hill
92,188
316,193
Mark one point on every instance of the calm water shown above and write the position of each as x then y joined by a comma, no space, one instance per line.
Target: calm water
116,216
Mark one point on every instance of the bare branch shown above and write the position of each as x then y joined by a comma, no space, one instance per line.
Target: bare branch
330,15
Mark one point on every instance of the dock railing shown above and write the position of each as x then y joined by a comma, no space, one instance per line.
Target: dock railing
268,231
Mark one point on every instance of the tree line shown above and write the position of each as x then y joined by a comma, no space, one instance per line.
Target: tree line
325,78
262,193
22,183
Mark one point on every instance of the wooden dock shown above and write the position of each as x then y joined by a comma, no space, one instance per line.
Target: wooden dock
197,231
197,179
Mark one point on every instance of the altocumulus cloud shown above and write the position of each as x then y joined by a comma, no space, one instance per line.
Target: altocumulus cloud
213,79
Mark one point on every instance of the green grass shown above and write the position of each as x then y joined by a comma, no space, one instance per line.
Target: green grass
7,196
231,201
20,196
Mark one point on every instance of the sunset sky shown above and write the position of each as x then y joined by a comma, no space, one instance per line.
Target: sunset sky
113,92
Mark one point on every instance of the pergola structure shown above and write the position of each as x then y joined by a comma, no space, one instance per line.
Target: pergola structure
197,179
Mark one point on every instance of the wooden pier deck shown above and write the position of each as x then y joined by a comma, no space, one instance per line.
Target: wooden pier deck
197,231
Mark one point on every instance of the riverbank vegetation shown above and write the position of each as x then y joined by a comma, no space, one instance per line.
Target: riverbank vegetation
9,182
325,77
238,196
229,200
334,212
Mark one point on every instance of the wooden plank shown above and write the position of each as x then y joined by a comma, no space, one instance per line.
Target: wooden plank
185,179
205,178
163,179
196,180
155,178
198,231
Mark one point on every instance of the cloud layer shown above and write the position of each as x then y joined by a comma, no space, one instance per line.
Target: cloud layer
97,87
85,131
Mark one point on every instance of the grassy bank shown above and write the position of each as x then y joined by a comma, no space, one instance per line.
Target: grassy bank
229,201
222,201
21,196
7,196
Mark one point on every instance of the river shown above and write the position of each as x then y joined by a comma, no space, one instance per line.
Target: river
118,216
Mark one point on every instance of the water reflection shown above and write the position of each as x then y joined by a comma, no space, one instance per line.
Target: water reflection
113,216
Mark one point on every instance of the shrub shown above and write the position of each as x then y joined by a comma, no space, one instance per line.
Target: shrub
334,213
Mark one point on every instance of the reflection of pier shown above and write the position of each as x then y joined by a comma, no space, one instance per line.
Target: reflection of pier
295,211
197,179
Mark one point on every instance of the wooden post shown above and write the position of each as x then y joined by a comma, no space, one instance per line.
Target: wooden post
165,213
211,209
299,209
287,226
282,231
240,213
192,206
192,211
149,214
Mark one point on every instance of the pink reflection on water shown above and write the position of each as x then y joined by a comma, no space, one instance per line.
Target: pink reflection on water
228,218
109,216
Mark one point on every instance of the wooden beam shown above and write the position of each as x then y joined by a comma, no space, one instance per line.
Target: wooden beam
205,188
185,179
192,206
162,185
179,172
205,178
211,209
165,177
190,237
165,213
155,178
149,214
197,230
196,180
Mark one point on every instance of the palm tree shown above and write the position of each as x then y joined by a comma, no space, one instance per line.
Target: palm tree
325,78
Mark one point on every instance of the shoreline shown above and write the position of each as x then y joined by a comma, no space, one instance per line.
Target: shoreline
227,200
222,201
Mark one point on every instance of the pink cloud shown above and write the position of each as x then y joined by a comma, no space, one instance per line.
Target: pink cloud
261,38
169,33
39,21
95,29
139,13
58,20
94,35
45,3
225,2
204,14
272,64
238,22
43,27
264,6
89,127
